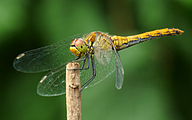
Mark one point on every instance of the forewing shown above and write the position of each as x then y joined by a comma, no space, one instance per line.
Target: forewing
104,58
45,58
103,49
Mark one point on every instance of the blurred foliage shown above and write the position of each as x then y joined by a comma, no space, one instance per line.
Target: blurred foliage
158,80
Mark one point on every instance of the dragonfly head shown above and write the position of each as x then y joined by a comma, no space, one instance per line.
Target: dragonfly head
78,47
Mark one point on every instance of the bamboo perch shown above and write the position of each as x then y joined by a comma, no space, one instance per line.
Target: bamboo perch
73,87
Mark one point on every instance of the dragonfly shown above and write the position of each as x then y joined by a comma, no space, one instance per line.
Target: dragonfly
96,49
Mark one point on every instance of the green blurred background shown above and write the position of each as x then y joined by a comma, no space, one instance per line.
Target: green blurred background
158,74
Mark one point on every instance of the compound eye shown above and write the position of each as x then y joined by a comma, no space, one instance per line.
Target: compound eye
79,42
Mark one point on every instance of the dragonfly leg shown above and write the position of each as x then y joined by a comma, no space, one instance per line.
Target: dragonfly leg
84,60
78,60
93,74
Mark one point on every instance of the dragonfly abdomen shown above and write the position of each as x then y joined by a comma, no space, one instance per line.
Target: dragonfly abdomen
124,42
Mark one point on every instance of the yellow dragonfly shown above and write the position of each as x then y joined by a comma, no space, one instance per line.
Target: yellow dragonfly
97,49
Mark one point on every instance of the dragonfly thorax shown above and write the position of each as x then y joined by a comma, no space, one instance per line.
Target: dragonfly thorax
78,47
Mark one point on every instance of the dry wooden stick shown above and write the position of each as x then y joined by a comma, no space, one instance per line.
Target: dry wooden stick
73,87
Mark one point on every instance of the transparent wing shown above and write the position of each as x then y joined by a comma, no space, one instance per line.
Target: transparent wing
107,60
104,58
119,71
103,50
54,82
45,58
